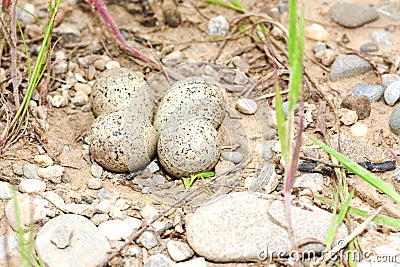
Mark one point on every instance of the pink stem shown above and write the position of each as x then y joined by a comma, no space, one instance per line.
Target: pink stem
102,9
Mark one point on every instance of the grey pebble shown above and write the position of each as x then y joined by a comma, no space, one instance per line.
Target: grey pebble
312,181
373,92
232,156
95,183
159,179
246,106
96,170
369,47
179,251
266,181
218,26
387,79
159,260
392,93
239,221
394,120
351,15
319,46
5,190
238,62
105,194
148,239
84,237
30,171
348,66
382,38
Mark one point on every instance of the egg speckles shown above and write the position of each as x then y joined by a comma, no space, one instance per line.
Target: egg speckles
119,89
121,142
191,146
191,98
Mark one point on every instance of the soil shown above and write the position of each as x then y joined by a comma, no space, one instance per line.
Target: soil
64,138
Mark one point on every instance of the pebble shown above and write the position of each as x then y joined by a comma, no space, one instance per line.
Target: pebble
373,92
31,208
119,229
327,57
80,99
359,130
319,46
96,170
58,101
52,173
387,79
359,104
91,73
240,78
99,218
347,116
316,32
112,64
382,38
369,47
60,67
148,212
218,26
111,195
312,181
246,106
223,166
103,207
266,181
5,190
116,213
54,198
172,17
235,222
232,156
197,262
148,239
348,66
394,120
78,235
179,251
238,62
43,161
392,93
352,15
79,209
32,186
30,171
86,89
122,204
100,64
153,167
95,183
41,112
159,260
173,58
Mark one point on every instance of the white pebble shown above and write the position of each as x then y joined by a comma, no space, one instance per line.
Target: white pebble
218,26
32,186
246,106
358,130
148,212
52,173
95,183
347,116
82,87
58,101
316,32
112,64
43,161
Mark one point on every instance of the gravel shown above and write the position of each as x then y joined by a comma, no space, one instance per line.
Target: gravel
348,66
352,15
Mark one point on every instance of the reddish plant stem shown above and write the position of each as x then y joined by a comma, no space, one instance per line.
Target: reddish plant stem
100,7
5,4
13,53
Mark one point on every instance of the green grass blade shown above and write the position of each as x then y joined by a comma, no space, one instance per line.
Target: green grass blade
28,58
360,171
292,41
281,122
239,5
224,4
34,16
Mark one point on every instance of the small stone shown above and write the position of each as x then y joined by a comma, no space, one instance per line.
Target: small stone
111,195
373,92
179,251
387,79
52,173
54,198
116,213
352,15
197,262
369,47
240,78
382,38
80,99
232,156
172,17
148,239
312,181
86,108
58,101
394,120
122,204
238,62
61,237
79,235
5,190
347,116
158,179
112,64
102,207
266,181
359,104
96,170
95,183
218,26
392,93
246,106
159,260
358,130
60,67
173,58
396,176
319,46
99,218
116,229
326,57
43,161
91,73
223,166
30,171
153,167
41,112
348,66
148,212
100,64
316,32
32,186
79,209
86,89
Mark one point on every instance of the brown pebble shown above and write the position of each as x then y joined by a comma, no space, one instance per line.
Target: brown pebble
359,104
172,17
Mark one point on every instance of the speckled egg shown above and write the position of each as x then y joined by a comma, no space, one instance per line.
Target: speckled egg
191,98
122,142
119,89
188,147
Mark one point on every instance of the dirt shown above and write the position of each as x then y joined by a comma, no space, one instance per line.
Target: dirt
64,139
